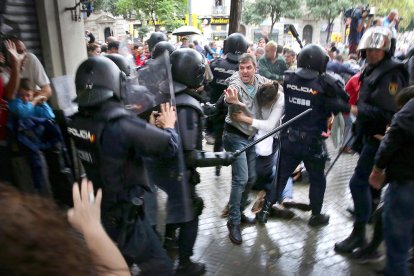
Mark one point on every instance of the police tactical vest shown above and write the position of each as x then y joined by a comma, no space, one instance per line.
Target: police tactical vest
191,124
300,95
222,69
381,97
86,131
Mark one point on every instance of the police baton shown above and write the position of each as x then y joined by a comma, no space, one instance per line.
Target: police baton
295,34
279,128
338,155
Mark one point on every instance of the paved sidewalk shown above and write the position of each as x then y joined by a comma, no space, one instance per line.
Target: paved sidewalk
280,247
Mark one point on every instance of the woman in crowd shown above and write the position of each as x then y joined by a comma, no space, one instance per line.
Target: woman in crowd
37,239
93,49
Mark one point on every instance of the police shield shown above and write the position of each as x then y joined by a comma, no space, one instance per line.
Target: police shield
149,86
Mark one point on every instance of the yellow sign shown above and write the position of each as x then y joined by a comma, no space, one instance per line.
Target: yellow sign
220,20
194,20
336,37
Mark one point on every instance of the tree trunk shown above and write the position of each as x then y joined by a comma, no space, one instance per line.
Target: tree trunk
235,15
328,37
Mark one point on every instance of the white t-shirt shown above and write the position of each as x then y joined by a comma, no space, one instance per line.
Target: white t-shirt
34,71
271,119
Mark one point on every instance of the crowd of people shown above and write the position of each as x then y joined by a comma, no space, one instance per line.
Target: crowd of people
131,141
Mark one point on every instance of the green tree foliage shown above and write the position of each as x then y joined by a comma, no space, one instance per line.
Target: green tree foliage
328,10
257,11
105,5
142,31
170,12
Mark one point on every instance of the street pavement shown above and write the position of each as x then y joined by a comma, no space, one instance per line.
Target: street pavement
281,247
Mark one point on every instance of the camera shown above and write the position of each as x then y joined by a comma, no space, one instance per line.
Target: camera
359,12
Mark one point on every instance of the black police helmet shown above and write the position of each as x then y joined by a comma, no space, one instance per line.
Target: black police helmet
187,67
235,45
97,80
155,38
313,57
121,62
161,47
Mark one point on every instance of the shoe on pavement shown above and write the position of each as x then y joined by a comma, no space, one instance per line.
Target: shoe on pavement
297,205
190,268
234,233
355,240
366,255
258,204
264,213
277,211
318,220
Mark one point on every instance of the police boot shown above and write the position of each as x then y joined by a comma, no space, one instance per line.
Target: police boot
189,268
263,215
355,240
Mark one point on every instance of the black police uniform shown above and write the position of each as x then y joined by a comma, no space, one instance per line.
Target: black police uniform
190,123
222,69
178,177
189,118
303,140
376,106
111,144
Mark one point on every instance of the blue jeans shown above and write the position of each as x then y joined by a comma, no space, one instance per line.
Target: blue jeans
288,191
359,185
398,226
243,172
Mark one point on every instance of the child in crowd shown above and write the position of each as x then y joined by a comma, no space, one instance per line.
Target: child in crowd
27,105
31,126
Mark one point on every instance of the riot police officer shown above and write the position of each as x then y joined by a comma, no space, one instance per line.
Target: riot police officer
188,68
222,69
155,37
307,87
173,181
381,80
112,144
161,47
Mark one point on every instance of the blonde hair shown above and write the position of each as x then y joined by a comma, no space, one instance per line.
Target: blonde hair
272,44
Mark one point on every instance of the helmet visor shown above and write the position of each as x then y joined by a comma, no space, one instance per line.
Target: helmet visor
376,38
